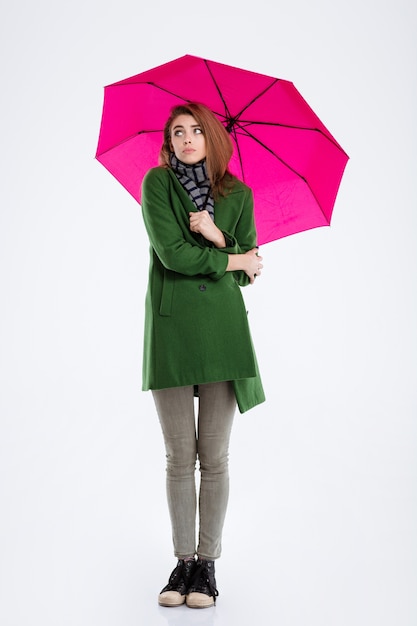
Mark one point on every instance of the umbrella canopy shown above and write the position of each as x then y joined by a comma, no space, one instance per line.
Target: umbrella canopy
281,148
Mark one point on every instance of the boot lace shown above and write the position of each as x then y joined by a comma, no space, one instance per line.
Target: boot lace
180,576
203,580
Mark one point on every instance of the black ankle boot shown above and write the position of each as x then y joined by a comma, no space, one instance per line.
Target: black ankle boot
173,594
202,591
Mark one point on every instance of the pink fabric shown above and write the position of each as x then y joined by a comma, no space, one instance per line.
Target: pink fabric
287,156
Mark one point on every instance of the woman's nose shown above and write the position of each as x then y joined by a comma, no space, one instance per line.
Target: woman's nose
187,139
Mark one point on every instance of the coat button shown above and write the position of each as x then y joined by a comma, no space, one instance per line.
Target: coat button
202,287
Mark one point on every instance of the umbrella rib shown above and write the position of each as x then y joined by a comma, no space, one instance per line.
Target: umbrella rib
171,93
232,120
176,95
226,108
248,134
259,95
284,162
307,128
126,139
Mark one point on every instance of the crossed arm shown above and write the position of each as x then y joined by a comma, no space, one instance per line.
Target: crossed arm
170,234
250,262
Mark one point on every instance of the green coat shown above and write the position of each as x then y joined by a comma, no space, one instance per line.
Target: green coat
196,326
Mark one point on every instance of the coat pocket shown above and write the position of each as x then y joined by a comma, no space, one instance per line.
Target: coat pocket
165,307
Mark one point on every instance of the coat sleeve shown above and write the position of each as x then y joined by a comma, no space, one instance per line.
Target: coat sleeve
172,244
244,237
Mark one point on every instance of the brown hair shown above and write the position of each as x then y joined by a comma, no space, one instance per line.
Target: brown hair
219,147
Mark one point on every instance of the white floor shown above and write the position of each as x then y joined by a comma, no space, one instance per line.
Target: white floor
82,585
87,542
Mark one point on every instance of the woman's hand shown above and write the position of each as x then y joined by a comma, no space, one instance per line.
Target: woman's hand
201,222
250,263
253,264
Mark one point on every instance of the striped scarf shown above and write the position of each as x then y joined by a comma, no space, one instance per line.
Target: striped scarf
196,183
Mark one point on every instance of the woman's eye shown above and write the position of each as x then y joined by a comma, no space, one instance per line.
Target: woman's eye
177,133
198,131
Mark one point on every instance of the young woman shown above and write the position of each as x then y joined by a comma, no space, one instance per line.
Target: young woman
197,344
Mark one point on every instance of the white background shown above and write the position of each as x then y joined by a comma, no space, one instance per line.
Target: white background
322,522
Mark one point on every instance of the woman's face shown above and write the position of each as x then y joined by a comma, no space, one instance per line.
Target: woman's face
187,140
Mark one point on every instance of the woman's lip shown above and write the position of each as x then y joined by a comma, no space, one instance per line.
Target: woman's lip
188,150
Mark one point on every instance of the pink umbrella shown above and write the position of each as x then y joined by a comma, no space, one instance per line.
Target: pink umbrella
282,150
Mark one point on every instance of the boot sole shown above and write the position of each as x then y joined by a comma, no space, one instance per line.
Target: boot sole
192,605
171,605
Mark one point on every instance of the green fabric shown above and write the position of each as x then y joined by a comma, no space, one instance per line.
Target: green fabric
196,326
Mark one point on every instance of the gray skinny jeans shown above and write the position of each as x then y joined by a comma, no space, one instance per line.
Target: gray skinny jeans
184,443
